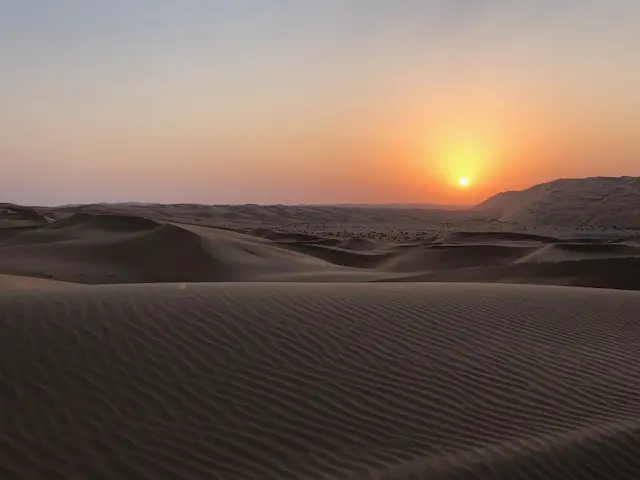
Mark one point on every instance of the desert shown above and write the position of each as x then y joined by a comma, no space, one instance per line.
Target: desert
319,240
193,341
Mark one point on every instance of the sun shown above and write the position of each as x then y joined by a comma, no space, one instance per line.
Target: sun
463,181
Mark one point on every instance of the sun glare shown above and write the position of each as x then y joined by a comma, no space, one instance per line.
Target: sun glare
461,160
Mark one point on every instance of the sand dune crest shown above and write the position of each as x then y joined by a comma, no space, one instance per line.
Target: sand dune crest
107,248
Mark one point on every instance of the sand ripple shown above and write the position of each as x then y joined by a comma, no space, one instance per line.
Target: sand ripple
320,381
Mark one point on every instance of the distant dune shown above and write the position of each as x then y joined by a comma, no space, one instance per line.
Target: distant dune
284,215
596,201
306,381
424,206
93,248
13,282
16,215
140,243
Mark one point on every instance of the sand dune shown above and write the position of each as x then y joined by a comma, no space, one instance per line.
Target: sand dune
14,282
94,248
320,381
15,214
90,248
632,240
502,237
595,201
271,215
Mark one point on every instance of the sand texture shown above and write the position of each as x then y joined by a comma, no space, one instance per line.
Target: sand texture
120,247
594,201
311,381
14,282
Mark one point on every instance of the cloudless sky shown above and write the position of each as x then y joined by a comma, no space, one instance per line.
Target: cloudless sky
295,101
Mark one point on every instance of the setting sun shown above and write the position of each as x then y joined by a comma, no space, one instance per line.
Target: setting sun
463,158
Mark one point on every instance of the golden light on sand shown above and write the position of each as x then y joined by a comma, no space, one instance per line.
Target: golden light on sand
463,181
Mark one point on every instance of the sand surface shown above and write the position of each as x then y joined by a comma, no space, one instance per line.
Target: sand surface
595,201
14,282
143,341
194,243
353,381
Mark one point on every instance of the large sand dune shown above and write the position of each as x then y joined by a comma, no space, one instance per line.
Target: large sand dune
107,248
314,381
594,201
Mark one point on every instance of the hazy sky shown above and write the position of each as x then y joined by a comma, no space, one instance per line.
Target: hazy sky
295,101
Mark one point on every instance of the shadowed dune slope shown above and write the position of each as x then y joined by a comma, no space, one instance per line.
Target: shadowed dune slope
447,257
94,248
89,248
502,237
633,240
329,381
618,273
18,214
13,282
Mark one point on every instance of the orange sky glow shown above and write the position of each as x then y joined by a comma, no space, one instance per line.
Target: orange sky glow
327,102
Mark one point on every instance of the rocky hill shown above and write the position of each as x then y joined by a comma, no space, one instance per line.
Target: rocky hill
594,201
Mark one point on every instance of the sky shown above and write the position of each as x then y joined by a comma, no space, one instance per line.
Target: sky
296,101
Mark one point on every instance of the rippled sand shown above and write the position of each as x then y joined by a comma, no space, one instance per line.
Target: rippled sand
353,381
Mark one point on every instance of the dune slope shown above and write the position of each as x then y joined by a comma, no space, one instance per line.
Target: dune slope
320,381
601,201
91,248
96,249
